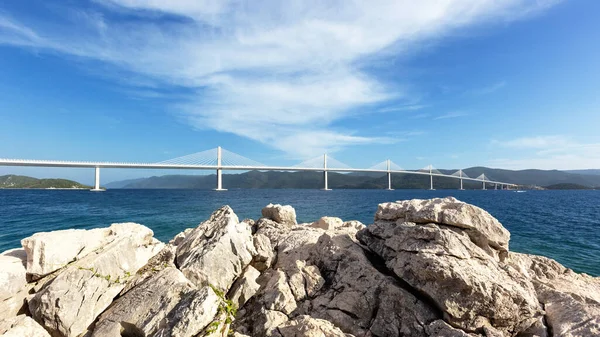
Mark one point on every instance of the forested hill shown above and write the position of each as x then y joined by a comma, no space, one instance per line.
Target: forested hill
275,179
15,181
535,177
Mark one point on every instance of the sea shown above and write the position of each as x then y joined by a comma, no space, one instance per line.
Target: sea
563,225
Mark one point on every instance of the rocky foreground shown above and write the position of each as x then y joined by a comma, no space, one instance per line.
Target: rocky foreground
436,267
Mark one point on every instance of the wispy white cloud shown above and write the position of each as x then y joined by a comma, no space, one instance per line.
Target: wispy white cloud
280,73
548,152
535,142
452,114
420,116
407,107
12,32
487,89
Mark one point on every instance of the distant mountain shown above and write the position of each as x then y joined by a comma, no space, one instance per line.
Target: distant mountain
534,177
566,186
594,172
14,181
123,183
314,180
553,179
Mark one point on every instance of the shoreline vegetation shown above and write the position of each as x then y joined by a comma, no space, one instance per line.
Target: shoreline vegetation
425,268
24,182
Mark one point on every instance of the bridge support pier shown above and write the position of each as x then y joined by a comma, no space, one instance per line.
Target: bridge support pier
219,172
483,185
326,183
97,181
461,185
431,178
220,181
389,176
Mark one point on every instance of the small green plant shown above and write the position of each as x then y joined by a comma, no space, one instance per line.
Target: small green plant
108,278
212,327
227,308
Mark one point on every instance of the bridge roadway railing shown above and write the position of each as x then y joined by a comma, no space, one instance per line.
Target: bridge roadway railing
219,168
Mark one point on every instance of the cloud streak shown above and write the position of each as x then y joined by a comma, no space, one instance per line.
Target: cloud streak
487,90
536,142
452,114
549,152
279,73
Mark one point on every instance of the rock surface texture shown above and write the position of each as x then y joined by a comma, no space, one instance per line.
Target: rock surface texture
21,326
424,268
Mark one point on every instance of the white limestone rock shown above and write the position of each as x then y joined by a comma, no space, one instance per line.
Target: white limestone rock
264,322
441,328
50,251
276,292
264,252
245,287
179,237
304,280
281,214
216,252
328,223
328,276
359,296
68,304
237,334
15,304
295,246
472,288
274,231
166,304
165,258
21,326
306,326
571,301
484,230
333,224
12,272
353,225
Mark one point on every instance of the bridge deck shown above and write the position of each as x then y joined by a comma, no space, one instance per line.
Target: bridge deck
85,164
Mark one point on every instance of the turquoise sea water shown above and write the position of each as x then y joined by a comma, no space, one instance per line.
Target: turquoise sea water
564,225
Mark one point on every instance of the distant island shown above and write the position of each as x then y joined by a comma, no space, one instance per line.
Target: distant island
14,181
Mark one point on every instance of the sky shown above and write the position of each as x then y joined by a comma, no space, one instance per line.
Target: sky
509,84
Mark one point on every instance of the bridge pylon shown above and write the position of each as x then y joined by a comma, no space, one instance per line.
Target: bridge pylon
483,179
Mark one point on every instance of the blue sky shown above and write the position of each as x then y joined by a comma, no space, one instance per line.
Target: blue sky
510,84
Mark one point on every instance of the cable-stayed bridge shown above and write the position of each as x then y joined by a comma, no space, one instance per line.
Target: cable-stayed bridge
219,159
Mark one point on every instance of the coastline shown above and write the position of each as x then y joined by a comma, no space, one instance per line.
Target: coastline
167,212
274,277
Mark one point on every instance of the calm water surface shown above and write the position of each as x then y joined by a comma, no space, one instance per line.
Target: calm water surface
564,225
